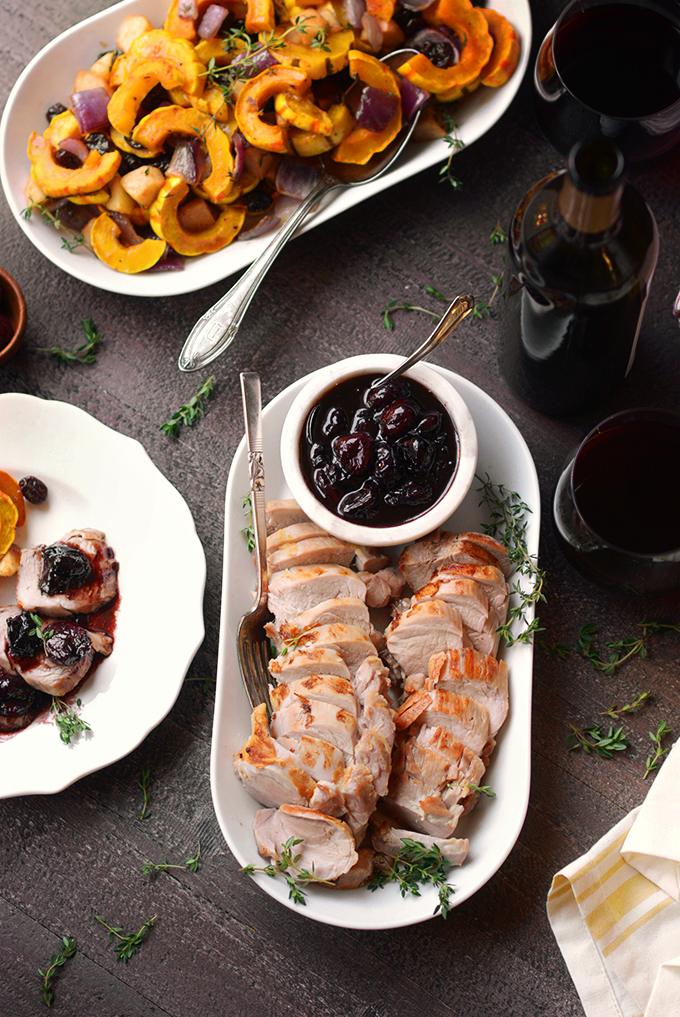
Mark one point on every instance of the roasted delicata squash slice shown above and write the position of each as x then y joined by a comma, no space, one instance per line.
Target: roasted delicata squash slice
255,95
123,143
470,25
128,97
164,222
63,126
104,237
160,44
302,113
505,53
260,16
315,62
152,131
360,144
58,182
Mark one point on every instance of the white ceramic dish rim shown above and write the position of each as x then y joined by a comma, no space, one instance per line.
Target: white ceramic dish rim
386,536
98,477
49,77
494,826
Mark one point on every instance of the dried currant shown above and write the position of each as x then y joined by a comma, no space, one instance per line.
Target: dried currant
63,568
33,490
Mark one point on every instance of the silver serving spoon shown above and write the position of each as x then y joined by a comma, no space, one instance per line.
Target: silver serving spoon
458,309
217,328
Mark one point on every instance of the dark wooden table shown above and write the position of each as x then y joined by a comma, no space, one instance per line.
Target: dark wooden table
220,946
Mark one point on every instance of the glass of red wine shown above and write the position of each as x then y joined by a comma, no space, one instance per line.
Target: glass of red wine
611,69
616,506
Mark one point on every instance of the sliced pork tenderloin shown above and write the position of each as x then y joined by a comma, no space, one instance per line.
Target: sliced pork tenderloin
360,873
296,716
76,575
327,846
302,587
388,839
283,513
419,561
489,576
369,559
383,586
293,534
312,551
371,675
479,676
360,796
465,595
466,719
300,663
268,770
416,806
353,645
53,662
324,762
325,688
426,628
342,610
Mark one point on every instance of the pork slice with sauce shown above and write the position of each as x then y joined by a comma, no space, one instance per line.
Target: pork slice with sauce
76,575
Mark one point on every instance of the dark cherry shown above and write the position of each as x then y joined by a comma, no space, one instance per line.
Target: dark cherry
319,453
68,642
360,504
67,160
385,471
382,395
258,201
336,423
325,485
364,420
354,452
417,454
54,110
413,492
399,417
19,702
430,424
64,568
22,639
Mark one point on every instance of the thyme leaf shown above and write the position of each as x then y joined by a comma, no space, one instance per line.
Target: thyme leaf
615,711
70,724
483,790
144,781
57,960
287,866
652,761
154,869
620,650
190,413
39,628
412,867
508,524
84,354
129,943
594,739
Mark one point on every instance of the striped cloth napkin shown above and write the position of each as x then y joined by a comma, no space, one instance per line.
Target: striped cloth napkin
615,912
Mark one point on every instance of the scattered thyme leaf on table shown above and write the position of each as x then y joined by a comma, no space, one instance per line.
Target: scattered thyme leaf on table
615,711
287,866
621,650
154,869
129,944
652,761
57,960
85,354
508,524
209,681
70,724
414,866
594,739
190,413
144,781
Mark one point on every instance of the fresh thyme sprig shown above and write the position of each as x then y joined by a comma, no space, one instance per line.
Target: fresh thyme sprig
57,960
39,628
144,782
287,866
615,711
594,739
188,415
290,644
129,944
414,865
396,305
209,681
248,530
54,220
446,174
67,720
154,869
485,789
85,354
621,650
508,524
652,761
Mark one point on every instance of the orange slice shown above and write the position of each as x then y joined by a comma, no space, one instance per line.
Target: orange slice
9,486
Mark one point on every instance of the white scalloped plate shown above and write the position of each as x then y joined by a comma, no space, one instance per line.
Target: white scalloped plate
99,478
48,78
494,826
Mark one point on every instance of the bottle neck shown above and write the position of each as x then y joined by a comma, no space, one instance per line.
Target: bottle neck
588,213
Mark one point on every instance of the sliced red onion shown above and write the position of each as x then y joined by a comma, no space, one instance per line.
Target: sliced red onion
187,9
170,261
352,11
76,146
183,162
284,206
211,22
295,179
440,45
75,217
264,225
413,97
255,61
89,108
376,108
129,236
237,141
371,32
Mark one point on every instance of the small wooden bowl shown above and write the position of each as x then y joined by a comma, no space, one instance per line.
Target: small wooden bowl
13,306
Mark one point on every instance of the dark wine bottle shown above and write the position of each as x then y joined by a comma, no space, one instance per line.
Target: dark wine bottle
583,247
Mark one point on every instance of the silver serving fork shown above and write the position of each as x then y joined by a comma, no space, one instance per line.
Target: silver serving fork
251,641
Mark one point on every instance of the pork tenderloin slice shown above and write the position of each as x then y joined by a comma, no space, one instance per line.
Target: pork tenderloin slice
466,596
327,847
283,513
360,797
418,807
490,577
324,762
477,675
97,590
268,771
328,798
302,587
297,664
420,560
388,839
423,630
369,559
353,645
487,638
374,751
342,610
371,675
382,586
360,873
298,716
326,688
293,534
463,717
313,551
492,547
443,768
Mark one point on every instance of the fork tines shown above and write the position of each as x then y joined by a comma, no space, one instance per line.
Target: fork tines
253,659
